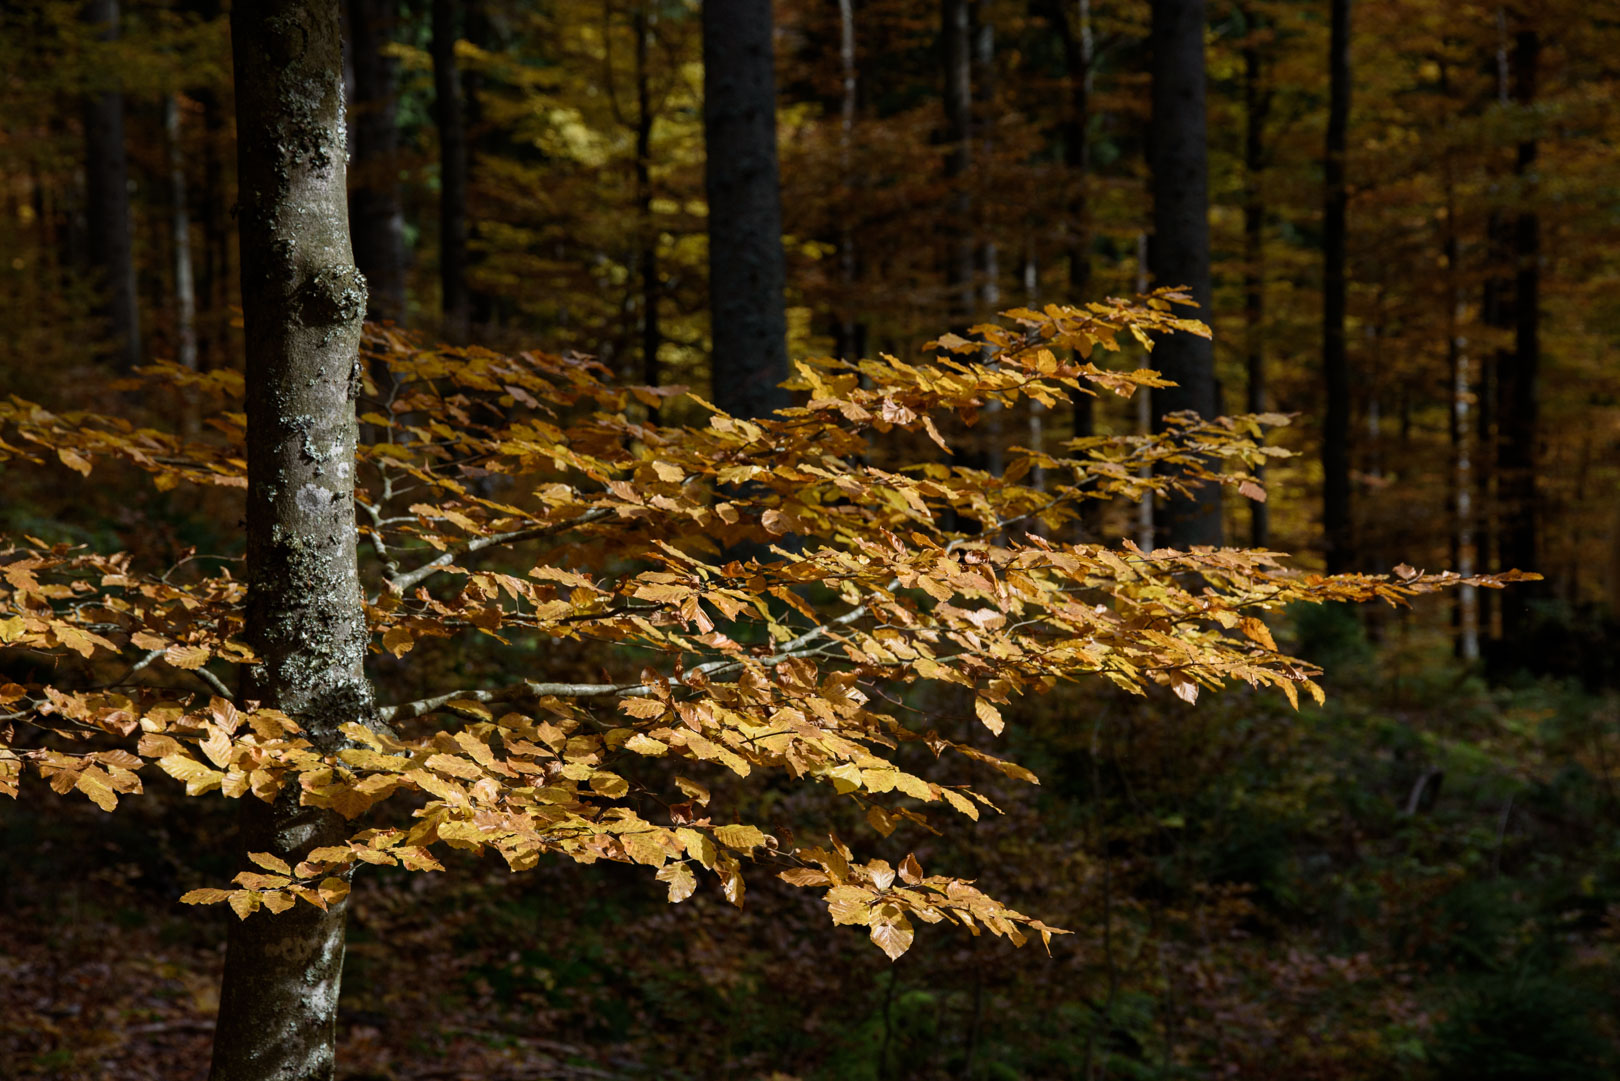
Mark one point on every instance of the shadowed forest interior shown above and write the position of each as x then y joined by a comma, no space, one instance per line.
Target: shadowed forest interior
760,473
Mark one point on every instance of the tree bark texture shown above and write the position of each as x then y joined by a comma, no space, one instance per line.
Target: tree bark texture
375,204
303,301
747,273
1179,254
106,170
1336,495
450,116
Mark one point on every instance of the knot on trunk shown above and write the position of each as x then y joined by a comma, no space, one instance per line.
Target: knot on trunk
334,295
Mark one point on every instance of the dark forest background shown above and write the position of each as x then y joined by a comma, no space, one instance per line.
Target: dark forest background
1411,242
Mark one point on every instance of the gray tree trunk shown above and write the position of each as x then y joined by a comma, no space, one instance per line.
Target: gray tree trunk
1336,520
375,204
303,301
185,290
106,170
1179,253
747,272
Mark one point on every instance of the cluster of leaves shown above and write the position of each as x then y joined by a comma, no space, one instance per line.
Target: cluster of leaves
762,585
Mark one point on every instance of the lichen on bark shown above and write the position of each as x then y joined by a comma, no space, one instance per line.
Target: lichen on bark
303,302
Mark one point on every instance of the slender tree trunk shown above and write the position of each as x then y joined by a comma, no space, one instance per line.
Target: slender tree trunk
375,205
451,120
1179,253
1078,54
303,301
956,40
111,240
1257,104
747,273
185,291
1518,417
851,343
647,241
1462,435
1336,513
1146,527
481,35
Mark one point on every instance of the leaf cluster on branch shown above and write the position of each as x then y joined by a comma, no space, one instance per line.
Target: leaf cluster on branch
769,597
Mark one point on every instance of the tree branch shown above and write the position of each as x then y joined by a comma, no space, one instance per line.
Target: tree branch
400,583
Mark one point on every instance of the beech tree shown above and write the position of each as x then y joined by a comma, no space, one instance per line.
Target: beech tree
747,274
1179,253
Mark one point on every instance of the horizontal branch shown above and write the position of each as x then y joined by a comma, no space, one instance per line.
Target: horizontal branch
400,583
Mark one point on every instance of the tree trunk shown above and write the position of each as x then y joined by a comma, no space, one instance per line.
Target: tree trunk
956,39
451,119
647,238
1518,414
302,301
1257,104
375,205
1336,521
850,332
185,291
112,251
1179,253
746,267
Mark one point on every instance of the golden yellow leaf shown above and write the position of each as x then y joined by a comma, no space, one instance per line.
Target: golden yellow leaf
681,881
989,715
245,902
204,897
93,783
74,460
187,656
893,936
740,836
398,641
271,863
692,789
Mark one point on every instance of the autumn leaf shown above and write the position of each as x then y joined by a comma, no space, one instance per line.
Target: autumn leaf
187,656
893,933
680,880
398,641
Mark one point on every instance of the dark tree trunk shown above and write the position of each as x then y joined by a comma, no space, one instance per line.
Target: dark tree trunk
375,206
1518,412
1257,104
450,116
1179,254
480,139
111,241
647,239
956,40
303,301
746,267
1336,520
850,332
1075,36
